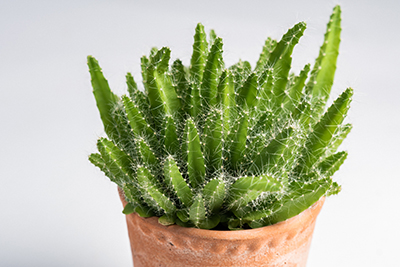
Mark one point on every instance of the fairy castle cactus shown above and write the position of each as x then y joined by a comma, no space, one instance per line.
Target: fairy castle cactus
214,147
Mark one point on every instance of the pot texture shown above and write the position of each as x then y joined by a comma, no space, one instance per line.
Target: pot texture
283,244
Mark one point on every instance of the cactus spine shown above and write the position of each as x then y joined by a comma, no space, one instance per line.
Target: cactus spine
238,147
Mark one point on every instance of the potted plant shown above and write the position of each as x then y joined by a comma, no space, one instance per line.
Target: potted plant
209,148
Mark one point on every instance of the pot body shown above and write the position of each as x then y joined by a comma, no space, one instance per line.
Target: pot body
283,244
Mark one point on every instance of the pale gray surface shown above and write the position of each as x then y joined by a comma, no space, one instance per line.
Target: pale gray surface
59,210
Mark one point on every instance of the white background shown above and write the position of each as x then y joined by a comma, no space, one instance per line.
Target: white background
56,209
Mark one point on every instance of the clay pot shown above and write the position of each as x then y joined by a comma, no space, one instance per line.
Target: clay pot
283,244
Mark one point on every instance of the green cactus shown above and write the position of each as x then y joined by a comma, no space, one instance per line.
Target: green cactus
213,147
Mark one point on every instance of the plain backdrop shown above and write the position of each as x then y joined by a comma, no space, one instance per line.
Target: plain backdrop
56,209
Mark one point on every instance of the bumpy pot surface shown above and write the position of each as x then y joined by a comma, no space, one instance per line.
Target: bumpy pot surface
283,244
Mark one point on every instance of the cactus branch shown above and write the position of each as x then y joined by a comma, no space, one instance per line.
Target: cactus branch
105,99
154,194
175,180
195,159
200,51
214,194
322,75
248,188
323,131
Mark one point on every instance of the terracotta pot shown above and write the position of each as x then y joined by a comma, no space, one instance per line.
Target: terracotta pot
283,244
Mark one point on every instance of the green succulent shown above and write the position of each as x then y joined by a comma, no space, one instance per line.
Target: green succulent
213,147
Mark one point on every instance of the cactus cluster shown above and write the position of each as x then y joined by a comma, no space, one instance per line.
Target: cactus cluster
218,147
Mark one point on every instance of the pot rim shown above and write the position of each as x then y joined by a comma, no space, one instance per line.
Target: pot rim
298,221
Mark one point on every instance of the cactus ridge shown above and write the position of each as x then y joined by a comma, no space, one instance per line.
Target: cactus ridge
227,148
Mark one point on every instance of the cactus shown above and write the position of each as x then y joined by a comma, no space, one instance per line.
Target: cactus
213,147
